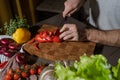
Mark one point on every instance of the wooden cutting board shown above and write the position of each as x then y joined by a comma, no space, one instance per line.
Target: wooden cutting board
59,51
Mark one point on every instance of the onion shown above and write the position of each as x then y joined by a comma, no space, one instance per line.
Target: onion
21,58
3,49
18,46
6,41
12,46
8,53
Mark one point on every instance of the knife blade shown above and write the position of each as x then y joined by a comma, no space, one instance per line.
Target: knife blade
63,21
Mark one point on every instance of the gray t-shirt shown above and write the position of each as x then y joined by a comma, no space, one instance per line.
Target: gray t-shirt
105,14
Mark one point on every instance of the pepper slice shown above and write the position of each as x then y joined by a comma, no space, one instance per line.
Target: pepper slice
48,36
2,65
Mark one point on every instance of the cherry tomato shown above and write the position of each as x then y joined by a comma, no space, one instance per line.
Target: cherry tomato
18,70
10,72
24,74
40,70
7,77
34,65
16,76
27,67
33,71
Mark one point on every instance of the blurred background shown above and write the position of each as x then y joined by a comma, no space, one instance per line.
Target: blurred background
34,10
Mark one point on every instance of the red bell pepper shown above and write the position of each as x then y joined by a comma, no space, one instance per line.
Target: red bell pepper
2,65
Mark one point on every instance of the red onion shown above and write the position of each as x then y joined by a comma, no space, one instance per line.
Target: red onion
12,46
6,41
18,46
21,58
8,53
3,48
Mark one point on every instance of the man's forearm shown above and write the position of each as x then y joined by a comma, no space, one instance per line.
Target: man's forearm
109,37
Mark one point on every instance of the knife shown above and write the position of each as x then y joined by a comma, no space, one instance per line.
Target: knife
63,21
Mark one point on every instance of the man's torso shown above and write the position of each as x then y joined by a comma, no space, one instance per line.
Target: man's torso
105,14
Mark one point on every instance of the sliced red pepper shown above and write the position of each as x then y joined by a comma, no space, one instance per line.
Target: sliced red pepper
45,33
2,65
38,38
48,36
32,41
36,46
49,39
56,32
50,33
56,39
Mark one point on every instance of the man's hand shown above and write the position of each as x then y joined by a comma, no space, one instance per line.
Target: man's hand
71,6
69,32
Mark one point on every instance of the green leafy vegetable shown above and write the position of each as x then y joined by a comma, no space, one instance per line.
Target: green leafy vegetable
116,71
94,67
14,24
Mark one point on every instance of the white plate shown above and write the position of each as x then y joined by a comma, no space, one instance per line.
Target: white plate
5,36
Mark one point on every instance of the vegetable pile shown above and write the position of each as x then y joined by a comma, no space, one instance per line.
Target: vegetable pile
48,36
8,47
94,67
45,37
24,72
18,29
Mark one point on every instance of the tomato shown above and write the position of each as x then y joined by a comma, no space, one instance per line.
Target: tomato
16,76
18,70
27,67
40,70
24,74
34,65
56,39
7,77
33,71
10,72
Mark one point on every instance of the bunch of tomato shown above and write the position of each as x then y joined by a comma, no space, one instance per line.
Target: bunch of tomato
24,72
48,36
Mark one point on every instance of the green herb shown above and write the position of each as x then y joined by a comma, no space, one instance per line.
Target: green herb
11,27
